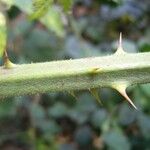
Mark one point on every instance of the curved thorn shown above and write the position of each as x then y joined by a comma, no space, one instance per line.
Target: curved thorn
128,99
95,94
5,55
7,63
72,93
120,40
122,90
120,47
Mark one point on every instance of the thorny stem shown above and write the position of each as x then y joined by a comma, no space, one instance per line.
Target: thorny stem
117,71
78,74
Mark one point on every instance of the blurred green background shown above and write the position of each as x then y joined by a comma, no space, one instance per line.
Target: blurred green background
66,29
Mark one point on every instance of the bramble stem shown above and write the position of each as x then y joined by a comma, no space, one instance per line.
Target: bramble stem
78,74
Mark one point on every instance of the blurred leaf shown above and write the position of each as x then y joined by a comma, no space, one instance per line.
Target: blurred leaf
67,147
146,89
141,94
58,110
111,2
36,49
51,17
49,128
98,117
53,21
40,8
143,43
83,136
66,4
78,116
128,46
2,34
24,5
76,48
125,112
42,145
144,124
86,103
37,114
9,3
145,48
84,106
7,108
21,28
115,140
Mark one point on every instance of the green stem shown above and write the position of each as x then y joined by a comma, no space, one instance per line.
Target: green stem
78,74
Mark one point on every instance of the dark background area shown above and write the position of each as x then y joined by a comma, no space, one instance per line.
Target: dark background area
58,121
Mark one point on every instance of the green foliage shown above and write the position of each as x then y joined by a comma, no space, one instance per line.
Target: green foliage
58,120
40,8
25,6
116,140
53,21
50,15
67,4
3,34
